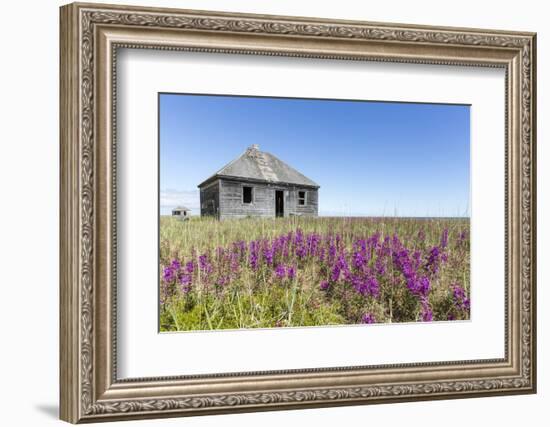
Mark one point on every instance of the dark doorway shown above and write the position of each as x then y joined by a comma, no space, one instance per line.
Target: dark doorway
279,204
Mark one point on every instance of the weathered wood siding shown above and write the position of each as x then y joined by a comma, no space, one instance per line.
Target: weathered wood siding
210,199
311,208
231,200
263,204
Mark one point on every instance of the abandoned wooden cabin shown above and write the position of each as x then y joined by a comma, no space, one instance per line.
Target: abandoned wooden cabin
258,184
181,212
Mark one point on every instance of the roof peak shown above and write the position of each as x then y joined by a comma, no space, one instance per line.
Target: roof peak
253,151
262,166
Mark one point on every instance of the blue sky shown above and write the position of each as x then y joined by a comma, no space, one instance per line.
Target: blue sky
370,158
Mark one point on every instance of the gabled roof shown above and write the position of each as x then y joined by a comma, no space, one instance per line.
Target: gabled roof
181,208
258,165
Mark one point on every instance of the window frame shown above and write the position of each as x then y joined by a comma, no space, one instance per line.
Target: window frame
251,194
302,198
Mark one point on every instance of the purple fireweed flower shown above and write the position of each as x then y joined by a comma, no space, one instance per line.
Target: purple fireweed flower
335,274
427,314
324,285
291,272
444,238
240,247
342,262
322,255
373,286
360,245
373,241
403,263
311,243
423,285
366,286
458,293
268,255
380,266
419,287
190,267
298,238
253,257
368,318
433,260
185,283
203,262
359,260
301,251
460,300
280,271
175,264
168,274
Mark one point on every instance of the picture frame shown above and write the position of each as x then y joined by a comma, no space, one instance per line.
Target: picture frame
91,35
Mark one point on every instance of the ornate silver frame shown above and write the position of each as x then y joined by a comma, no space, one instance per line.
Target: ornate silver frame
90,36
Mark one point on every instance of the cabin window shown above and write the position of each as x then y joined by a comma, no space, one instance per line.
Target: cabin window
247,194
184,213
301,198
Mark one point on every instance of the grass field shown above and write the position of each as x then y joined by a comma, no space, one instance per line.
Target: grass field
254,273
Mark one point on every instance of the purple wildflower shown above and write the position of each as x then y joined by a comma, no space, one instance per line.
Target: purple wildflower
368,318
280,271
427,314
204,265
189,267
335,275
291,272
462,236
185,283
444,238
433,260
460,300
268,252
380,266
253,258
168,274
359,260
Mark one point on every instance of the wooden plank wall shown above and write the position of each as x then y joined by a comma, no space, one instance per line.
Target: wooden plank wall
263,205
210,199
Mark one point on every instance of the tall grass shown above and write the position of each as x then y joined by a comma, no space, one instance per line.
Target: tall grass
311,271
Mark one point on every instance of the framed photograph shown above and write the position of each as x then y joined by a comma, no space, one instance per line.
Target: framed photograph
266,212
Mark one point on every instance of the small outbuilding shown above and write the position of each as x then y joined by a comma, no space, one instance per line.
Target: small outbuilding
181,212
258,184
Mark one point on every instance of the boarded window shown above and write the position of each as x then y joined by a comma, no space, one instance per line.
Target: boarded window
301,198
247,194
